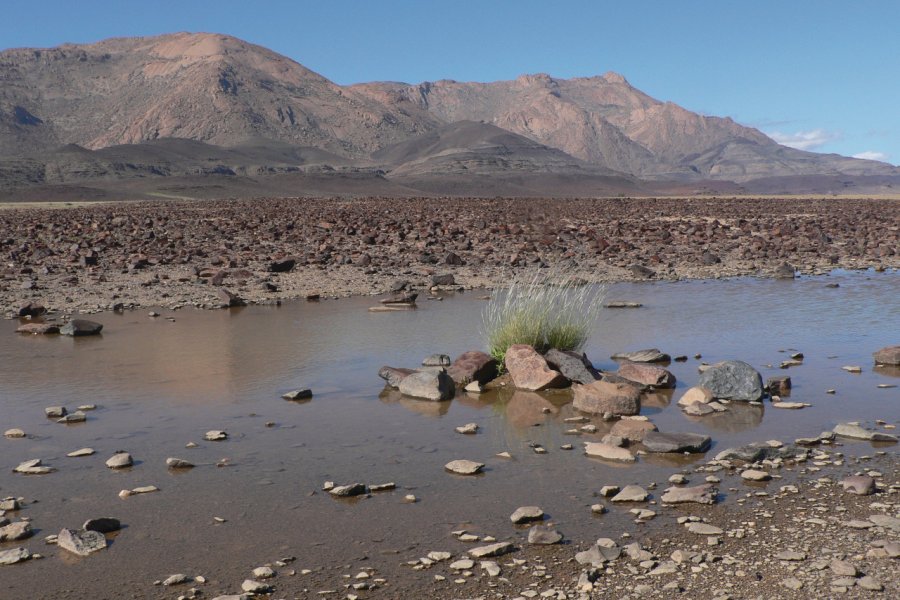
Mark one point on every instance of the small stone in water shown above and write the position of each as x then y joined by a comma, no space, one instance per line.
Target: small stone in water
81,452
215,436
468,428
178,463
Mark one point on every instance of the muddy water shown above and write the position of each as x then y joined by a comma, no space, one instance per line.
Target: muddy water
160,384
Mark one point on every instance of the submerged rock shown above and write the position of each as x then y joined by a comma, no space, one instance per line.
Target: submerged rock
607,451
655,441
631,493
732,380
701,494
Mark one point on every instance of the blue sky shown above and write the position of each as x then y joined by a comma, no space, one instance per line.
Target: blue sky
822,75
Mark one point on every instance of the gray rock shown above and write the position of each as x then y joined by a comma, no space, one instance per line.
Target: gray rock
785,271
733,380
81,543
19,530
622,304
842,568
631,493
301,394
704,529
55,412
428,385
544,535
81,327
178,463
756,452
574,366
701,494
119,460
491,550
861,485
656,441
14,555
523,514
102,525
889,355
853,430
643,356
75,417
394,376
464,467
347,491
436,360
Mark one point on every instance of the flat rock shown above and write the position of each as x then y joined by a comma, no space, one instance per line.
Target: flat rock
603,396
732,380
790,405
631,493
530,371
524,514
608,452
464,467
81,452
843,568
700,494
544,535
704,529
886,521
889,355
33,466
622,304
428,385
853,430
574,366
791,555
81,543
119,460
491,550
755,475
656,441
347,491
75,417
38,328
648,375
698,409
472,366
861,485
14,555
649,355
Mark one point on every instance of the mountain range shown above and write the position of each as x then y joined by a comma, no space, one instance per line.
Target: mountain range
202,114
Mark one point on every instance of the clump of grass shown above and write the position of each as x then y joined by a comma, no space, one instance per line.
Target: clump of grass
547,311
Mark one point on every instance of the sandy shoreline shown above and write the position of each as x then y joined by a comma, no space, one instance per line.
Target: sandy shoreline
175,254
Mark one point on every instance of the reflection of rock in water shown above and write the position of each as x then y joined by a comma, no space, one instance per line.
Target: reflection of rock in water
429,408
889,370
476,401
657,398
525,409
673,459
740,416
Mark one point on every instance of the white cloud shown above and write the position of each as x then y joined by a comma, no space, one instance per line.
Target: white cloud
872,155
805,140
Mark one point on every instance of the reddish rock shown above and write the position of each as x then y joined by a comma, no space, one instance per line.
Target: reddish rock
643,374
632,430
607,397
473,365
887,356
38,328
530,371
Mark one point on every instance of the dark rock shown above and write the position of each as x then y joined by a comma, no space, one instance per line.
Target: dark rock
398,286
473,365
656,441
453,259
779,385
574,366
282,266
709,259
301,394
444,279
347,491
81,327
732,380
785,271
229,299
642,271
102,525
31,309
394,376
757,452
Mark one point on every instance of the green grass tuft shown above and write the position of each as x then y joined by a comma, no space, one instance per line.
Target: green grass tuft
549,311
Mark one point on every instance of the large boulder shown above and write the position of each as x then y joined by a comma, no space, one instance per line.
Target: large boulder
732,380
655,441
530,371
473,365
889,355
575,366
428,385
81,327
657,377
607,397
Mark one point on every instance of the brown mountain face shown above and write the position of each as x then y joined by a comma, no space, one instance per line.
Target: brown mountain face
115,110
